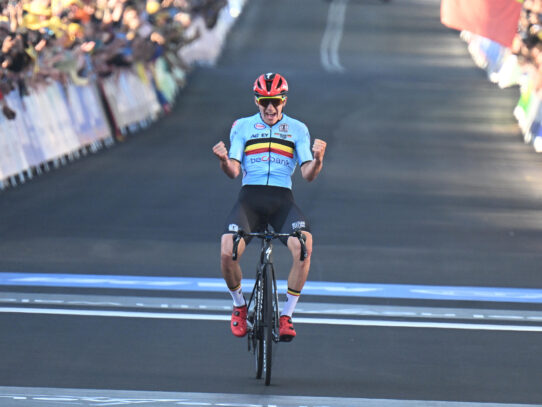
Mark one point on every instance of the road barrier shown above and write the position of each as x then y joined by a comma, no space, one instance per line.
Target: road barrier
503,68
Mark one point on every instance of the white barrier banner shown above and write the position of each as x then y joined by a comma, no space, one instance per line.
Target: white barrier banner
79,111
131,100
44,114
33,151
64,121
42,130
26,139
12,159
96,114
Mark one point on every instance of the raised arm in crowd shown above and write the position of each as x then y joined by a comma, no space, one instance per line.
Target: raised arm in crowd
79,40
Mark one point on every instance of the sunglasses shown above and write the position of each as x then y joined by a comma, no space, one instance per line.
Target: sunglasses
264,101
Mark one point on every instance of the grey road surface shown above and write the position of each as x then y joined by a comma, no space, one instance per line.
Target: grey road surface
426,183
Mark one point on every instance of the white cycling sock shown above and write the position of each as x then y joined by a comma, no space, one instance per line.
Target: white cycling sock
237,295
291,301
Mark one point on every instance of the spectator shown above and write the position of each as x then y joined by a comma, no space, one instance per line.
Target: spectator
527,44
71,40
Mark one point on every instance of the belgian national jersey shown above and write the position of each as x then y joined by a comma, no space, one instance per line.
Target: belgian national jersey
269,154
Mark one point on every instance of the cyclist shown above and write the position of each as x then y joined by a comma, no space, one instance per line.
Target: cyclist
265,148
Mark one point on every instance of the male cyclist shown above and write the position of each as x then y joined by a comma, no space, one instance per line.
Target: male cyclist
266,148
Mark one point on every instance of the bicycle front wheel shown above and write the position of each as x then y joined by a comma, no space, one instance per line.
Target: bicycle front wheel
258,331
268,322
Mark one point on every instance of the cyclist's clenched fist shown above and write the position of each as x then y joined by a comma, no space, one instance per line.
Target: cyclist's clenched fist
319,149
232,168
220,151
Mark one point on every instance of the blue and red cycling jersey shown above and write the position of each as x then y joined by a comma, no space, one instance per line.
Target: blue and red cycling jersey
269,154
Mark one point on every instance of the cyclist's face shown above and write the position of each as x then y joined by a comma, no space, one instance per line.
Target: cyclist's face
271,112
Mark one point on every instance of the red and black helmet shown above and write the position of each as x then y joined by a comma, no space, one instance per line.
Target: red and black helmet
270,84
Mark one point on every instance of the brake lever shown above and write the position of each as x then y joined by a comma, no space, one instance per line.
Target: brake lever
302,239
236,239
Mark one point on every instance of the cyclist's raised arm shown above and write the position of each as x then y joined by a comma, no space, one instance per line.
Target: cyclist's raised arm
230,161
231,167
311,169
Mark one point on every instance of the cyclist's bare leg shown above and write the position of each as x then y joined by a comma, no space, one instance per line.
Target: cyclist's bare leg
231,270
300,269
296,281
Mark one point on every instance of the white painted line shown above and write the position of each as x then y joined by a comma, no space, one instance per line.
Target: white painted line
317,321
416,324
116,314
329,47
304,308
54,397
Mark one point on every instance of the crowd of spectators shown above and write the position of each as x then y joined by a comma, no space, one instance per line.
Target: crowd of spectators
78,40
528,42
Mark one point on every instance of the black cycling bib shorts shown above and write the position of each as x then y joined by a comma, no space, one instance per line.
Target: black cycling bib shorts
262,205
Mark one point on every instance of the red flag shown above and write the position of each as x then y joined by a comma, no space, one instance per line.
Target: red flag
493,19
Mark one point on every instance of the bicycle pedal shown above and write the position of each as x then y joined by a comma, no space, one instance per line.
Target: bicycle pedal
286,338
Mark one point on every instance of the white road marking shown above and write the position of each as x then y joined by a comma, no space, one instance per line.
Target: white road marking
317,321
329,47
53,397
306,308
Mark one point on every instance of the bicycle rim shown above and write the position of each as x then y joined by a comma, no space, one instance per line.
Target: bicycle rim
268,319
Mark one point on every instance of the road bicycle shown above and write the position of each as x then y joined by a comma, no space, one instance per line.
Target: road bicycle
263,306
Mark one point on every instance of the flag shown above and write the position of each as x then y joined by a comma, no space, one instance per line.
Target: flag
493,19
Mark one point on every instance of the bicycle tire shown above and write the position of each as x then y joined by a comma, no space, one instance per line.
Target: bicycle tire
257,333
268,322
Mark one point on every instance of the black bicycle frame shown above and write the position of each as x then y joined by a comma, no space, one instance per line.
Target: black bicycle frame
266,271
263,327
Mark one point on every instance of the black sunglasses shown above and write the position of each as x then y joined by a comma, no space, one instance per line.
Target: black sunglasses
264,101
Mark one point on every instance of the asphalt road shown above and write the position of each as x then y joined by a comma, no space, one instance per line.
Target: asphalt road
427,191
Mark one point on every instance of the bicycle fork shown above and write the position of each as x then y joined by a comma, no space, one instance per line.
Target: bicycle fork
252,319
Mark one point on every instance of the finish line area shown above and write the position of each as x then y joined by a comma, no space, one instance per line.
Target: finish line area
432,314
52,397
320,288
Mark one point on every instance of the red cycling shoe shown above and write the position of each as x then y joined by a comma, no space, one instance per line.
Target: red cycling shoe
286,329
239,321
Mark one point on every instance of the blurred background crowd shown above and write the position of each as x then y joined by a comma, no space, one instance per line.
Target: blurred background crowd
527,44
80,40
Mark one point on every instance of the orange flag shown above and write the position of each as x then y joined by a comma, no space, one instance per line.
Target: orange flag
493,19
